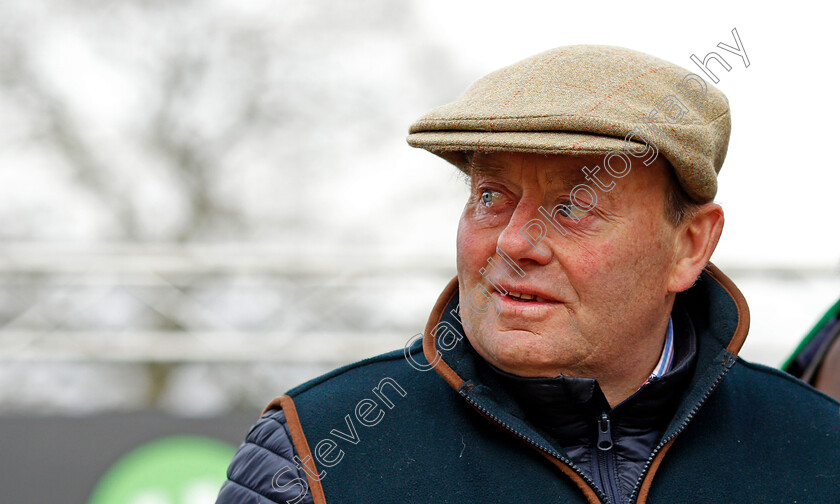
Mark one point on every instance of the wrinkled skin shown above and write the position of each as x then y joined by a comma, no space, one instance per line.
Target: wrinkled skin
606,288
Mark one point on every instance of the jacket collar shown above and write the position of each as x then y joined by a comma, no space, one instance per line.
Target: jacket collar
718,313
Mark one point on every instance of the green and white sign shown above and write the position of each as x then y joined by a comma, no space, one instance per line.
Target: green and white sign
170,470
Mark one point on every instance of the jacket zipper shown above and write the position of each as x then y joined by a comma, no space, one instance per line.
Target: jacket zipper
584,477
587,479
549,451
694,410
606,458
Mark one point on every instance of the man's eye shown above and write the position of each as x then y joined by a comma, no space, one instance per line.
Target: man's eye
570,212
490,197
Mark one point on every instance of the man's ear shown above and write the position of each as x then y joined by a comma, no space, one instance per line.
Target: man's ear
696,239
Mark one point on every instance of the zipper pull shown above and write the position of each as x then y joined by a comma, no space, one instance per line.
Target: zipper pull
605,442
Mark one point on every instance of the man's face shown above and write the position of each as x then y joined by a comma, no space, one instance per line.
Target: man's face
601,287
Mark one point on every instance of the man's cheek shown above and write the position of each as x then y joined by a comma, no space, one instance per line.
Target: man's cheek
473,249
587,261
482,303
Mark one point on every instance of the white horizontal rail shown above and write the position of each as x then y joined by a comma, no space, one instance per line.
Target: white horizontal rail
175,346
241,264
243,259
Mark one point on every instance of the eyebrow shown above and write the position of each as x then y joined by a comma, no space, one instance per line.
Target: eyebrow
557,183
495,170
483,168
566,180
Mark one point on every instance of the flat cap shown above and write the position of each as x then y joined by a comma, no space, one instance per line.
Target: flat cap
586,99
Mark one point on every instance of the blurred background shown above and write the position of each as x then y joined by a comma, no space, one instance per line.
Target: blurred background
203,204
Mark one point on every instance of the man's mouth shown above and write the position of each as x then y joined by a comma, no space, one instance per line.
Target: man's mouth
527,298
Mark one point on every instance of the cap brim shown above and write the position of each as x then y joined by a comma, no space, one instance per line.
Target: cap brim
451,145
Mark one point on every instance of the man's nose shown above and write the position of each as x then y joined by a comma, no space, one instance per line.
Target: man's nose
525,238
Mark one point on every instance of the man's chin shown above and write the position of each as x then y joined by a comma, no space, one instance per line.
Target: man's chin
530,368
522,352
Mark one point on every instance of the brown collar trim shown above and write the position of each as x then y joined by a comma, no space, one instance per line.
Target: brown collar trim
429,347
568,471
645,489
287,404
743,327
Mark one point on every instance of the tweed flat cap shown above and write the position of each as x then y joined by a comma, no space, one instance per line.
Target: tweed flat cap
586,99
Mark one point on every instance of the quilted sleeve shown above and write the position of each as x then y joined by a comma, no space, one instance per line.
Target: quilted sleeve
264,468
